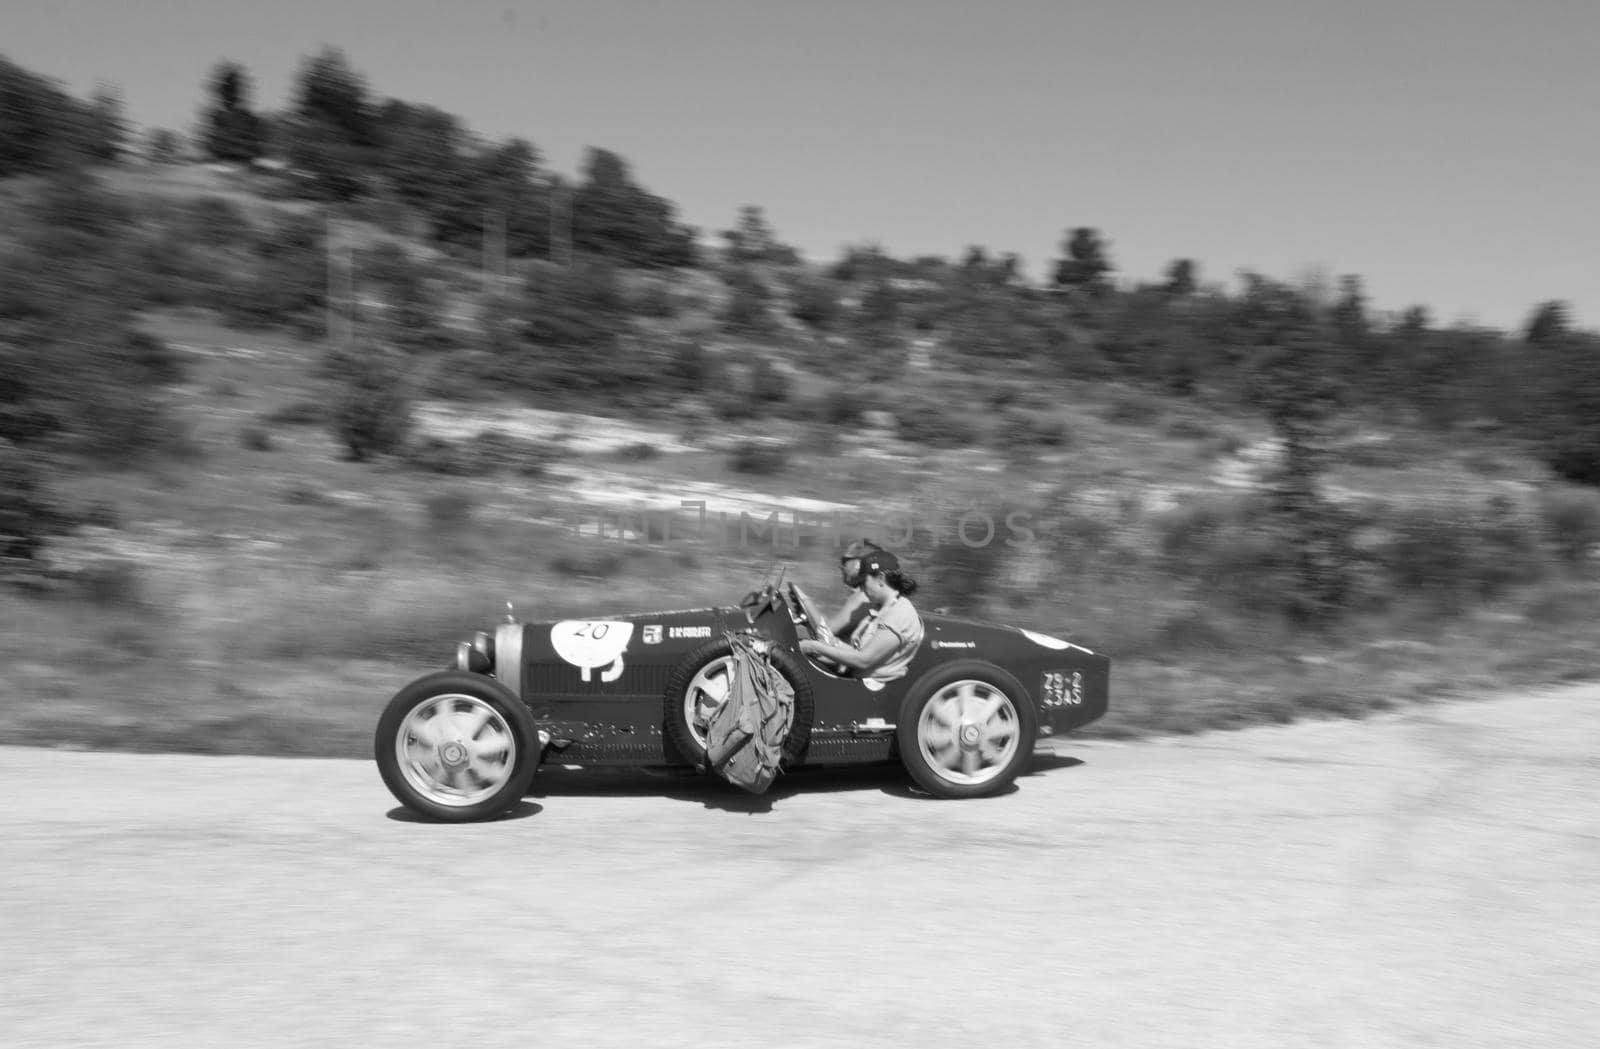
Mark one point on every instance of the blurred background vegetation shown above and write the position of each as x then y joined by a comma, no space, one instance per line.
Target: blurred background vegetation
244,496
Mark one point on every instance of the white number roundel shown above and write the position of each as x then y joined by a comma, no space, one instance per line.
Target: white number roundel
592,644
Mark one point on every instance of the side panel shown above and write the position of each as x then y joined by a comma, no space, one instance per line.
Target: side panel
599,682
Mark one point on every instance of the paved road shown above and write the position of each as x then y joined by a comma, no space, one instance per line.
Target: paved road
1425,879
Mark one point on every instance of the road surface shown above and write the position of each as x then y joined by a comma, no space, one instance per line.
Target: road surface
1429,878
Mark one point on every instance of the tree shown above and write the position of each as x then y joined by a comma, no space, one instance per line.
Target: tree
333,129
614,217
753,240
747,312
861,262
162,146
565,333
504,179
30,514
232,130
42,128
1182,279
1086,265
1568,427
107,125
423,153
1549,323
1294,383
815,303
1360,350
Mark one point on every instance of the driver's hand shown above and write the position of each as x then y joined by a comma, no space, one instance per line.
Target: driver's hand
809,646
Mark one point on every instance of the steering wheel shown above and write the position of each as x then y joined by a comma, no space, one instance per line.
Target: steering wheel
815,623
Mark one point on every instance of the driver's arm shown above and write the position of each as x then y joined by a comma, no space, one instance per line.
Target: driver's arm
861,660
839,622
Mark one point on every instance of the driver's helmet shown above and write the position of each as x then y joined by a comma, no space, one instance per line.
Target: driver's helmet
850,562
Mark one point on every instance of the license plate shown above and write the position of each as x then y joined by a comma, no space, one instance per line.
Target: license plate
1061,688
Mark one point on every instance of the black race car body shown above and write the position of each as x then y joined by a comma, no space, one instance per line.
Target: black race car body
638,689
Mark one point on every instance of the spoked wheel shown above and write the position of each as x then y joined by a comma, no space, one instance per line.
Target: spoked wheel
966,730
453,747
707,692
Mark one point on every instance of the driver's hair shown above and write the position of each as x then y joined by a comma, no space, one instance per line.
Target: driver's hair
900,582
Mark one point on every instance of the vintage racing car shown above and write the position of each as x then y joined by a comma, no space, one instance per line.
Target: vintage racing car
638,690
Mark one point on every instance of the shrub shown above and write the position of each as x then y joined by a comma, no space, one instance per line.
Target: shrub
501,451
590,562
1187,428
1454,554
768,385
448,512
1132,408
302,493
110,583
655,300
255,439
759,457
638,451
1198,526
747,309
153,359
1571,522
731,405
458,375
689,368
298,413
815,303
29,514
372,410
216,221
843,407
437,455
1024,431
927,423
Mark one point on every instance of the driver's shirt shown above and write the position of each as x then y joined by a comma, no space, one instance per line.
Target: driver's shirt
900,618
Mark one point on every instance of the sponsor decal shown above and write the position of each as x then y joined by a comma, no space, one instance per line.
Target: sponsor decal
1062,688
651,635
592,644
955,644
689,631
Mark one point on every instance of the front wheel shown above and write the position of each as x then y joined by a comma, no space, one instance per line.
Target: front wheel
966,730
456,747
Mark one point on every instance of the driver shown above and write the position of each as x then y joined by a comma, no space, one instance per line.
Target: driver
883,644
844,622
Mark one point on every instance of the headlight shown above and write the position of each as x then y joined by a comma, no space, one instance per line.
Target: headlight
484,642
470,658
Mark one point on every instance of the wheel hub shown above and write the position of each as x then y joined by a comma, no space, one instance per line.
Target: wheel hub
453,754
970,735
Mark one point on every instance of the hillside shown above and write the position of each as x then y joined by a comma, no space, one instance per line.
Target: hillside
248,586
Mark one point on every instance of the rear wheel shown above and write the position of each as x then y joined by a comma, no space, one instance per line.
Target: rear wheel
456,747
966,730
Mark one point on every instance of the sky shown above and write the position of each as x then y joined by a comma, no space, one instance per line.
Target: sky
1447,151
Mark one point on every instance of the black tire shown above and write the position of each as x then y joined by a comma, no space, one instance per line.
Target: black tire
681,735
919,739
499,767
